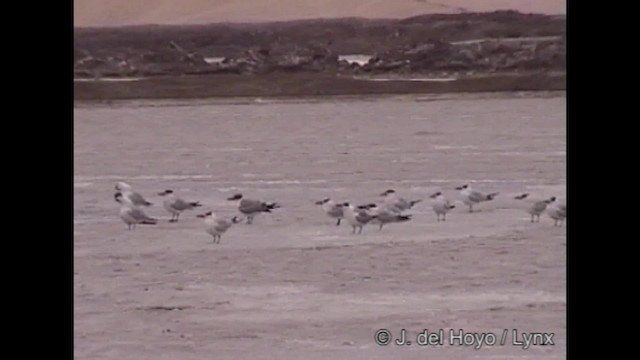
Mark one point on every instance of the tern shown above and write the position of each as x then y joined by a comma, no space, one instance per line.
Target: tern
471,197
176,205
135,198
216,226
558,212
332,209
441,205
357,218
251,208
131,214
395,203
384,216
535,207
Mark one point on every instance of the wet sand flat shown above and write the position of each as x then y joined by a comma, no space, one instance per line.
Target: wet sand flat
293,285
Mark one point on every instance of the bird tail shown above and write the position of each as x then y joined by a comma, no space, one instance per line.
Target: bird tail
146,203
271,206
149,221
415,202
492,195
195,204
404,217
451,207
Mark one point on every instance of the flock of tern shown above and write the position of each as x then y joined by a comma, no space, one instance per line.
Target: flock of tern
390,210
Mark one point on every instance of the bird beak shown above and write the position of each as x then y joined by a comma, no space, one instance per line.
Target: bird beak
459,188
201,216
319,202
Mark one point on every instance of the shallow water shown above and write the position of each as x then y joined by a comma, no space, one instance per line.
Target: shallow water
364,140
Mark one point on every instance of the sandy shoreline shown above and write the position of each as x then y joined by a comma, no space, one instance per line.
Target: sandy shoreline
293,285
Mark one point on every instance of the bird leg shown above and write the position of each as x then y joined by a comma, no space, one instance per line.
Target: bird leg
360,231
338,223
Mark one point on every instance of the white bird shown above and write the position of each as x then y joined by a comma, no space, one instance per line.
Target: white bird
127,192
176,205
357,218
441,205
216,226
383,215
558,212
395,203
471,197
535,207
131,214
332,209
251,208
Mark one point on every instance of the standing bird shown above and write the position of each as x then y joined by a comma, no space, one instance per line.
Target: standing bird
383,216
471,197
441,205
176,205
558,212
132,215
535,207
395,203
332,209
356,218
251,208
216,226
134,197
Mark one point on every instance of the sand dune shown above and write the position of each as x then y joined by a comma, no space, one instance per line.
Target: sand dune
132,12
